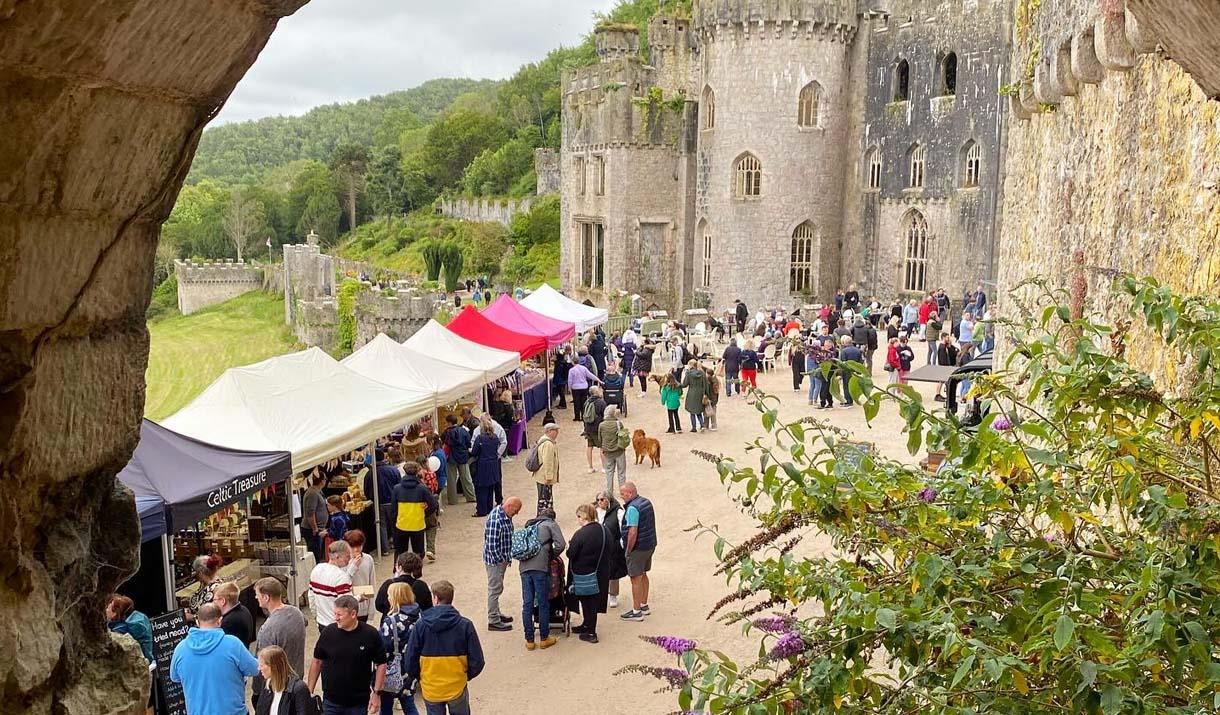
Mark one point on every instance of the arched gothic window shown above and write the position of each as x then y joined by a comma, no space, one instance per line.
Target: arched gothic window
707,255
810,106
919,161
749,177
902,81
804,243
948,75
972,164
915,266
709,108
872,165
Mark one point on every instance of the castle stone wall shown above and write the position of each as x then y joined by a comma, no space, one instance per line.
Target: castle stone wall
547,169
203,284
963,221
490,210
308,275
1126,172
757,73
316,323
399,317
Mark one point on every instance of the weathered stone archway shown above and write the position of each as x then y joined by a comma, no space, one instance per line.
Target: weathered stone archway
102,107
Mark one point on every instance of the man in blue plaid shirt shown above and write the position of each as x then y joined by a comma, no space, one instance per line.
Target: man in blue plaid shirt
497,555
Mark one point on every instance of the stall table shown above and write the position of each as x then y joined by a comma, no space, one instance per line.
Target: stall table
242,571
535,399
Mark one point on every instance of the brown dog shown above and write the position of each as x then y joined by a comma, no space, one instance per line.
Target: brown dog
659,379
646,446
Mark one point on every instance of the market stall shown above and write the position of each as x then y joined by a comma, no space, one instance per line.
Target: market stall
553,304
512,315
474,326
196,497
306,403
435,339
385,360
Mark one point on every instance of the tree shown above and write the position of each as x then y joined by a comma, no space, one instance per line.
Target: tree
1064,559
495,171
195,226
387,187
455,140
433,252
244,220
321,215
452,259
350,164
539,225
487,243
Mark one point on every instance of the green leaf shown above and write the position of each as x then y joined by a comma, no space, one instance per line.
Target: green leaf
1088,675
963,669
1065,627
1111,699
887,618
914,439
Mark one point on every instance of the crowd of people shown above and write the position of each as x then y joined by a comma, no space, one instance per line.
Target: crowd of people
402,640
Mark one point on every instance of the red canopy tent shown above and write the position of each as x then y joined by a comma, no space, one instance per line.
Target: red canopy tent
512,315
474,326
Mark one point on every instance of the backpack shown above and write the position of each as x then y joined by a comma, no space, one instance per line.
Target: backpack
622,440
533,460
525,543
589,416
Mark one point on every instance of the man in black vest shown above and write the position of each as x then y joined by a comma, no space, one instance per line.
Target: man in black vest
639,529
742,315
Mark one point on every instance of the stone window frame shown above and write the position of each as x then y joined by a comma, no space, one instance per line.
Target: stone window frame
705,233
972,164
592,251
900,86
872,167
599,174
917,166
810,106
947,75
581,185
803,249
707,111
916,240
747,176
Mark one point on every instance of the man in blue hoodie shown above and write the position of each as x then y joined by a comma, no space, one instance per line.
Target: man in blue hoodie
444,654
212,667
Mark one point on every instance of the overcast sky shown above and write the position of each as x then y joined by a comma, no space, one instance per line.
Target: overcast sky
339,50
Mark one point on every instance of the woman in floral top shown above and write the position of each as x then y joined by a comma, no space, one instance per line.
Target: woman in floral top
206,571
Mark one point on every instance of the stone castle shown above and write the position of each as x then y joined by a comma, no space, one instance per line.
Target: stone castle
775,150
201,284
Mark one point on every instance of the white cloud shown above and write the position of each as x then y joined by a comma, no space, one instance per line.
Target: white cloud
342,50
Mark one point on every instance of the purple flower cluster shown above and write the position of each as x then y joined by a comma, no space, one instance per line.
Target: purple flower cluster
774,624
676,677
788,645
1001,424
672,644
927,494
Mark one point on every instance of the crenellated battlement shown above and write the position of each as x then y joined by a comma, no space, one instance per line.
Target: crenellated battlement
765,18
669,32
205,283
615,42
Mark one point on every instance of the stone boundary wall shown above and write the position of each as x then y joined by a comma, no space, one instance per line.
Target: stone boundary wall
204,284
316,323
547,169
486,210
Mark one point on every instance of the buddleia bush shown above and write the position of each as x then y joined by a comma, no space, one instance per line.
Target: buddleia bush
1064,559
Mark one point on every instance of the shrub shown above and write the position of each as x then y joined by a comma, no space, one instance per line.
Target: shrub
1065,558
347,315
164,301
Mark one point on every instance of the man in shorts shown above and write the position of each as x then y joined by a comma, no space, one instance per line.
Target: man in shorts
639,529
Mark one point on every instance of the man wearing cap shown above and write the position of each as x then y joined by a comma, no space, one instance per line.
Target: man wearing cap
548,456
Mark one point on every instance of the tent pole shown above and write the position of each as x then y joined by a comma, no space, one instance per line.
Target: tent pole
376,501
170,581
292,544
546,374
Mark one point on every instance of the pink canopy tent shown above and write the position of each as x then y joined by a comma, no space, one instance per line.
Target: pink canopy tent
510,314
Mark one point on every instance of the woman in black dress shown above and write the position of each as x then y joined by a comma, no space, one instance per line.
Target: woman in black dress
589,554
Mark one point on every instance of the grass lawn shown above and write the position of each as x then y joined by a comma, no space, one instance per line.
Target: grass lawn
190,351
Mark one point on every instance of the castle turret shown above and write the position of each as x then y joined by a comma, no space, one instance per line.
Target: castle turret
617,41
774,95
670,44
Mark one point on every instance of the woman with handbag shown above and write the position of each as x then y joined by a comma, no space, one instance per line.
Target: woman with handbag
395,632
589,569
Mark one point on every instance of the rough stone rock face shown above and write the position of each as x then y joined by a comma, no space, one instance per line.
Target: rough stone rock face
103,103
1189,30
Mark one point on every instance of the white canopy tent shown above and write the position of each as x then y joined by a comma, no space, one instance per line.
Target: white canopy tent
553,304
385,360
436,341
305,402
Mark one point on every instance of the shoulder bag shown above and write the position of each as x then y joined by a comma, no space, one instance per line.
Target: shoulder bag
585,584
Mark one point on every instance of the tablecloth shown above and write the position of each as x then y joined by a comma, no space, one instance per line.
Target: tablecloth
534,399
516,438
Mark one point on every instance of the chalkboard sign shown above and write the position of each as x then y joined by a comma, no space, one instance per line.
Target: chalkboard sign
167,632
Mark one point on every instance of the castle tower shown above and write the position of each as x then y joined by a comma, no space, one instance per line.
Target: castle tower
670,46
616,42
774,94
